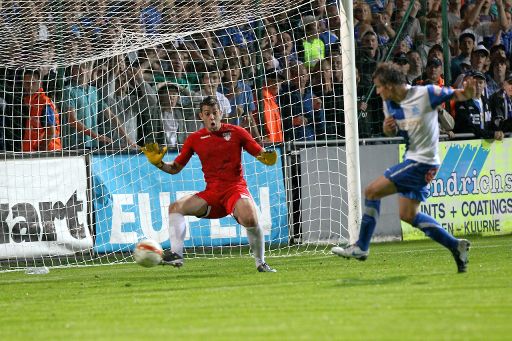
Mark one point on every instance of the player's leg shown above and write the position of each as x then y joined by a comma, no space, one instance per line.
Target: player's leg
374,192
410,213
189,205
245,213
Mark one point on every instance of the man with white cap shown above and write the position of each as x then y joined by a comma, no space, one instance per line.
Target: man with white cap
478,61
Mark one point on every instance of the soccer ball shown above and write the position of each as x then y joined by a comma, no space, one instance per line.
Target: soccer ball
148,253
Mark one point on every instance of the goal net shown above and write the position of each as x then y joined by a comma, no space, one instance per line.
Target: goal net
85,84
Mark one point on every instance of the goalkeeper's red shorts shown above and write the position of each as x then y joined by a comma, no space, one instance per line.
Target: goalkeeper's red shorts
221,202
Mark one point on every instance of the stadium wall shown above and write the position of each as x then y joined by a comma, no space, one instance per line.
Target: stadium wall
472,194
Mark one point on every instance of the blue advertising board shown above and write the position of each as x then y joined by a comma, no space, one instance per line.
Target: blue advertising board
131,199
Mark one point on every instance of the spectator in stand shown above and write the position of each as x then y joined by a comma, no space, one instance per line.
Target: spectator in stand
436,51
80,110
454,16
484,27
302,113
478,14
453,38
474,115
210,86
467,42
329,38
202,47
367,57
434,37
150,17
382,24
174,69
500,104
362,19
240,97
498,71
323,87
433,74
272,114
316,8
172,117
210,80
134,101
412,29
333,18
415,66
284,51
311,49
230,36
497,51
479,58
42,129
465,65
270,38
401,60
150,63
247,66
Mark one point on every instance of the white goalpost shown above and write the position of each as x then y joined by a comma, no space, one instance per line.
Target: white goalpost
351,112
85,84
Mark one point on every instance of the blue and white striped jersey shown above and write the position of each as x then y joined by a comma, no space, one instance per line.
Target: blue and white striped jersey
416,117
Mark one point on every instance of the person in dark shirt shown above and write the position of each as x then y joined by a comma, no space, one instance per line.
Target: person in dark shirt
500,104
474,115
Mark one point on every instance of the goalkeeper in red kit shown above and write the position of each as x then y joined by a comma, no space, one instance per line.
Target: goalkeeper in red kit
219,147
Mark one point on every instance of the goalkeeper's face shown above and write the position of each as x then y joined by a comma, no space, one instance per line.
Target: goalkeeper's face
211,117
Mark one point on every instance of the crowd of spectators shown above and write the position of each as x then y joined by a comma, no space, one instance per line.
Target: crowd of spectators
281,78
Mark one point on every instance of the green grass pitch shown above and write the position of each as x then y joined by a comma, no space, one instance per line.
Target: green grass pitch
404,291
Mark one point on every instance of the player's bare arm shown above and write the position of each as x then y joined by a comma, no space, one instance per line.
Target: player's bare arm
389,126
155,154
467,92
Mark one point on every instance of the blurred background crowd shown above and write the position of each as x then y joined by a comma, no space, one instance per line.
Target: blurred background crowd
281,78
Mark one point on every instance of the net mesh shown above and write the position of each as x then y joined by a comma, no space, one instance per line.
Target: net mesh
85,84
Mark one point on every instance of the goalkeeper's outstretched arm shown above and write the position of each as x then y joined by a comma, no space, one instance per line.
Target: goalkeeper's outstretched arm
155,154
171,167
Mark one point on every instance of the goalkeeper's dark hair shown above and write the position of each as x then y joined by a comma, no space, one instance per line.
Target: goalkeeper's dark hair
389,74
209,101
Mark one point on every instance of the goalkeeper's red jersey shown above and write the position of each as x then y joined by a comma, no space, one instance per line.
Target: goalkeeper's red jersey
220,153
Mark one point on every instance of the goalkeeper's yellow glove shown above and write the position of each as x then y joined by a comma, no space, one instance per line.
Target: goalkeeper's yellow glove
267,157
154,153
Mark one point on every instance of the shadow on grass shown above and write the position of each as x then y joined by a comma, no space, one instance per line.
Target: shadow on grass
356,282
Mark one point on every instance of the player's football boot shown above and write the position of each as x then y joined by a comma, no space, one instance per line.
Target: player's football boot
264,267
172,259
460,254
352,251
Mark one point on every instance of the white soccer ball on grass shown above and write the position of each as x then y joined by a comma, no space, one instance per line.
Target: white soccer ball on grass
148,253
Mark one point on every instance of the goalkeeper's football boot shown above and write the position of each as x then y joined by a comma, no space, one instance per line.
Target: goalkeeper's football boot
172,259
352,251
460,254
264,267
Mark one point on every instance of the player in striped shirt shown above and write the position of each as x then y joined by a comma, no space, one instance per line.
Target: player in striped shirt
410,112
